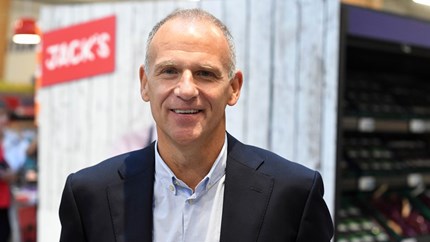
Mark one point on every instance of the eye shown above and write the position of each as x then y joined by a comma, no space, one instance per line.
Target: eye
206,74
169,71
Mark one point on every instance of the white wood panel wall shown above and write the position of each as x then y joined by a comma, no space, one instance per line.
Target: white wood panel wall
287,50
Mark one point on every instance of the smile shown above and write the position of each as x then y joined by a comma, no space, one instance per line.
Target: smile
186,111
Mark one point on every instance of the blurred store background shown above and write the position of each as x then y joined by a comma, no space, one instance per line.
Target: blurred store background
327,87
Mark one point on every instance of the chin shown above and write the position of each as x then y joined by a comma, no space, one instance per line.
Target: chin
186,137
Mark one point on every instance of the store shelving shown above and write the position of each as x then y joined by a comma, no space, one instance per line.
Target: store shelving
383,165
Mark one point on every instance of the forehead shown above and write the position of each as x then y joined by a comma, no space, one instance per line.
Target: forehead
194,25
190,35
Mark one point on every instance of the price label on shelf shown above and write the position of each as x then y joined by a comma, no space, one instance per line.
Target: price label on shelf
366,124
409,240
366,183
419,126
415,180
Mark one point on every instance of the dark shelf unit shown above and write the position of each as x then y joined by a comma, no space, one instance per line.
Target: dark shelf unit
383,154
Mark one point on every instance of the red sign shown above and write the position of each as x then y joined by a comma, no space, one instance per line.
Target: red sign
78,51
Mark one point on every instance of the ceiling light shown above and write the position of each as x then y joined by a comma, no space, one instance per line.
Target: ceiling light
28,39
424,2
26,32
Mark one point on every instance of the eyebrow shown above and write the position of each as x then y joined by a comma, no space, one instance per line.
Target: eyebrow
164,64
204,66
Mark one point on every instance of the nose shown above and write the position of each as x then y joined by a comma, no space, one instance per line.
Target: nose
186,88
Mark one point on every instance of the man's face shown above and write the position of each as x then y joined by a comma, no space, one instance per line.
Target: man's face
188,85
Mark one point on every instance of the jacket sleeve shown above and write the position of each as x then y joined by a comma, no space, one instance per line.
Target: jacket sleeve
70,218
316,223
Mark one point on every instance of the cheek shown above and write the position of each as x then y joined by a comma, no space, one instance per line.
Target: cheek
219,99
158,95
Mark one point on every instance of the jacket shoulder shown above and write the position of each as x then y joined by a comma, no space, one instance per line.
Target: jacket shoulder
273,164
113,169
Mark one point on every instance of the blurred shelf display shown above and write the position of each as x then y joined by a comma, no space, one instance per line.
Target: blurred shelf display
383,165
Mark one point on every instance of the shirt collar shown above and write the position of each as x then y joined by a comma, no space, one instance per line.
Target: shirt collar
164,174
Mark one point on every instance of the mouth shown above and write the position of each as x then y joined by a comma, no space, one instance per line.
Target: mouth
186,111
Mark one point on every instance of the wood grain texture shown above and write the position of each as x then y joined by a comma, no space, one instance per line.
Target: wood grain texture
237,22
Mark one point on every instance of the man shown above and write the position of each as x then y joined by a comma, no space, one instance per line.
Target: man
196,182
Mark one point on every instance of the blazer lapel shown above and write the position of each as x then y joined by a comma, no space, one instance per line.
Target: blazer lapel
131,200
246,195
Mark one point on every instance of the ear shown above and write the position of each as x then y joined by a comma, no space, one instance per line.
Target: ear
143,84
236,86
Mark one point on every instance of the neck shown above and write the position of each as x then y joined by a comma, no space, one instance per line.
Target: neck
191,163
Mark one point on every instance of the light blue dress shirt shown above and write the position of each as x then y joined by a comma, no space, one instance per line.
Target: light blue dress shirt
183,215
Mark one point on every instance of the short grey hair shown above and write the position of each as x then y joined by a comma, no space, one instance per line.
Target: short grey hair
192,14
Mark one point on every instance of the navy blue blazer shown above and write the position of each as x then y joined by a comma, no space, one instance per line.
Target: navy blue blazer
266,199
